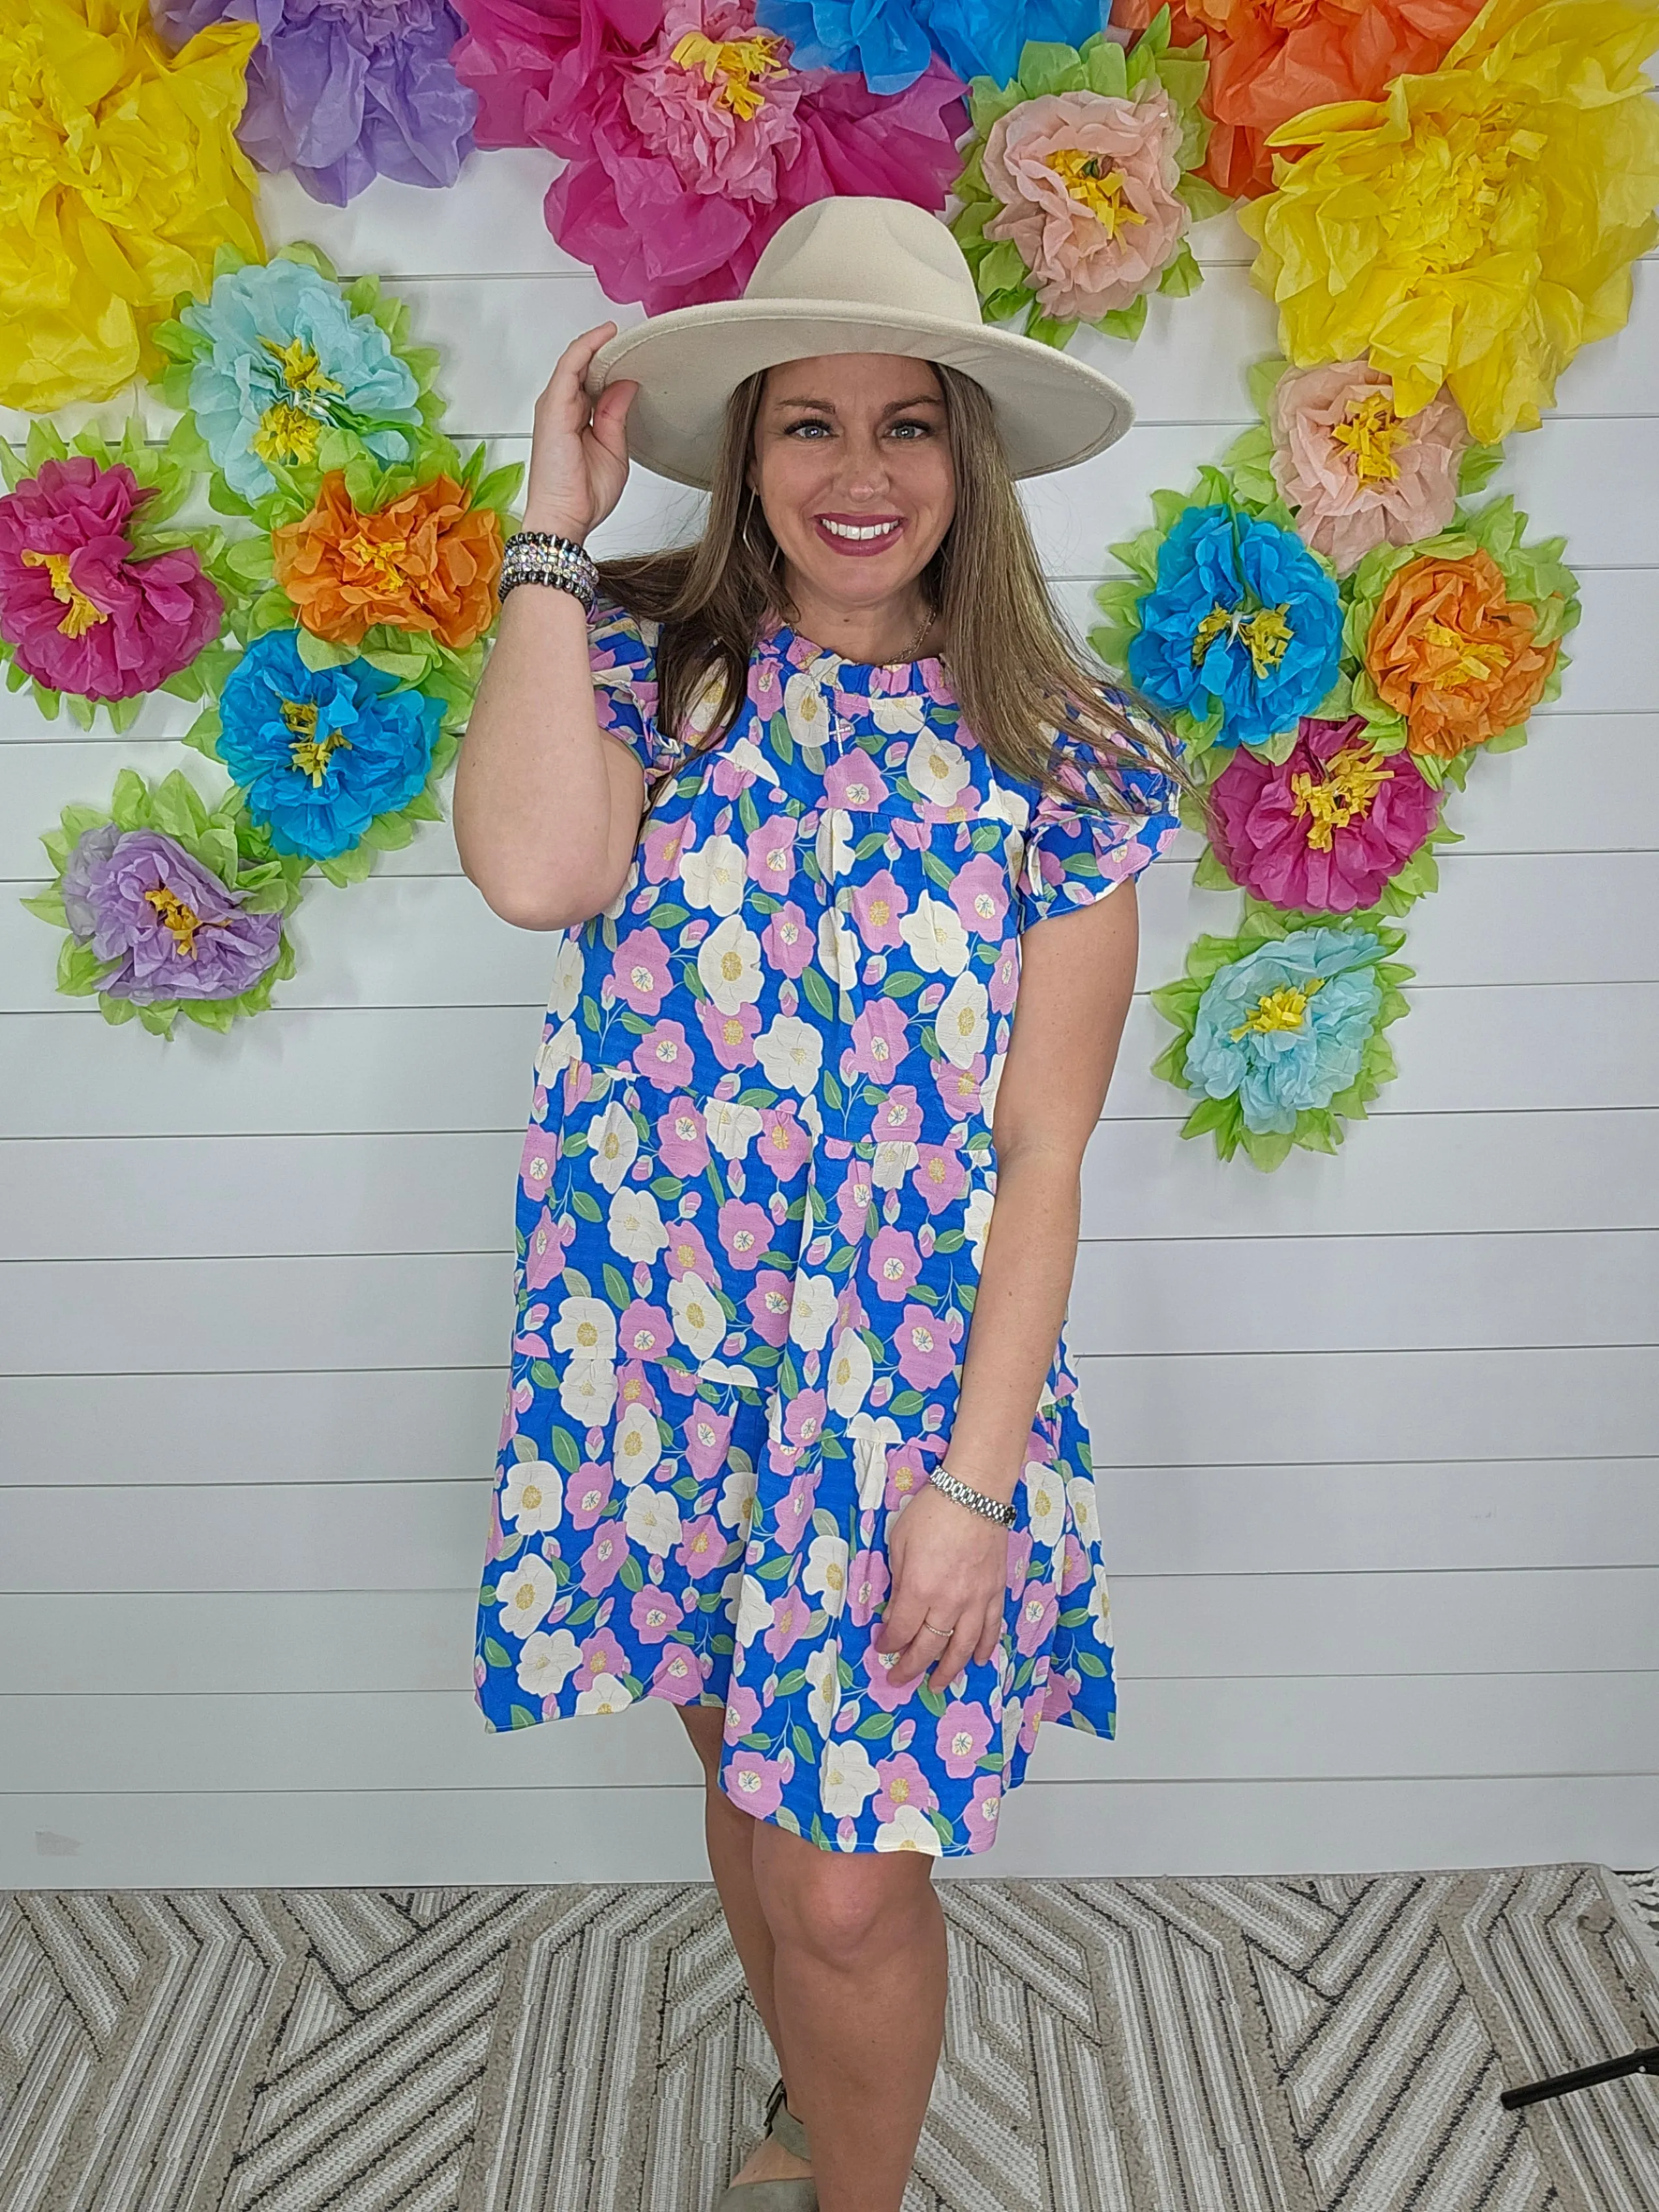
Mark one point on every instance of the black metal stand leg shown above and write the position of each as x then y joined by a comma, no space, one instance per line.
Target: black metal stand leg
1610,2069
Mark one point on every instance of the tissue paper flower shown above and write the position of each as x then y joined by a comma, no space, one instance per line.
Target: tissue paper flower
427,561
1270,59
1329,829
1459,637
342,91
1357,473
888,42
323,752
280,360
1075,195
1475,226
1280,1033
81,608
691,137
119,177
173,928
1242,630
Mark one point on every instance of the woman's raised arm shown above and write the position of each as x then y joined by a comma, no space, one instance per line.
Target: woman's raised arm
546,808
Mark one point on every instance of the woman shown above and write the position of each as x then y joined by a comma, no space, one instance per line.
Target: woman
817,799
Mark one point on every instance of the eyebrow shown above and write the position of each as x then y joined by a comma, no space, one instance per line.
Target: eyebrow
895,407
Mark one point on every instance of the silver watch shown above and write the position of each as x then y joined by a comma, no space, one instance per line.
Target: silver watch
975,1500
538,557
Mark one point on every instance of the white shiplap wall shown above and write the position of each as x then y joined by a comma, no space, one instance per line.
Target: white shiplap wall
1376,1430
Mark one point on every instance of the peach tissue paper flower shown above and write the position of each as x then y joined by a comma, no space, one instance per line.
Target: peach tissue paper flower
1357,473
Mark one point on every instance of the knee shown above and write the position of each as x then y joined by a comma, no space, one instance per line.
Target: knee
839,1909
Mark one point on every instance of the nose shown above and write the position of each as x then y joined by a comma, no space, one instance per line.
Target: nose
864,472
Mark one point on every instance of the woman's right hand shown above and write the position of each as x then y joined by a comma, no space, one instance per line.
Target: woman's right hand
579,456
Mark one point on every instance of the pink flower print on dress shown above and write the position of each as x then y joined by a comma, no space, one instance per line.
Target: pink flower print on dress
743,1712
663,1057
893,1264
789,944
940,1174
784,1143
888,1694
687,1254
753,1781
1002,986
633,1387
601,1563
645,1332
980,1816
866,1587
854,783
678,1678
681,1143
926,1346
879,906
959,1087
803,1423
662,847
586,1494
707,1435
639,972
1037,1606
906,1474
771,852
654,1614
903,1783
544,1259
853,1202
769,1304
603,1655
732,1035
898,1117
790,1614
539,1158
702,1547
963,1737
745,1232
1057,1695
880,1039
794,1510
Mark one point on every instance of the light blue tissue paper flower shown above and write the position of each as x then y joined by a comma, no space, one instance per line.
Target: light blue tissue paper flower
1287,1027
290,361
888,42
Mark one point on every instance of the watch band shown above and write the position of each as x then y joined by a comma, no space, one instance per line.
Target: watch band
994,1509
538,557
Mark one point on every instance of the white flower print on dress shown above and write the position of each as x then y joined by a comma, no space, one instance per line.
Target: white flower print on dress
525,1594
587,1391
890,1168
832,849
1100,1613
566,994
812,1312
992,1085
823,1687
846,1777
825,1574
904,717
936,940
838,950
792,1051
754,1610
547,1663
963,1021
729,962
612,1146
586,1327
607,1694
729,1127
651,1518
938,768
1045,1499
737,1498
700,1320
976,1222
635,1225
561,1050
533,1498
806,711
636,1444
1085,1509
712,876
909,1830
872,1436
852,1370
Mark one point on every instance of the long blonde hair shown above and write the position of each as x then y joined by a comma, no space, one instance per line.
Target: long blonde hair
1018,676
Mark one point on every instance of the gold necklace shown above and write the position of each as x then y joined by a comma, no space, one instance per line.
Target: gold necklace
927,621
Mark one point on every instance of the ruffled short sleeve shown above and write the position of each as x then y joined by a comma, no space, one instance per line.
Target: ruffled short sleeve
1119,820
622,654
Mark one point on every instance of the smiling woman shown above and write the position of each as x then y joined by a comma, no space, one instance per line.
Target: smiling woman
794,1440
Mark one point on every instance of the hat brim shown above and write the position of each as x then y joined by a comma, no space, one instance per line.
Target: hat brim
1051,409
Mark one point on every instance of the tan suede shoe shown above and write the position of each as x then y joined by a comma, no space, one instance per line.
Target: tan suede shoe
801,2195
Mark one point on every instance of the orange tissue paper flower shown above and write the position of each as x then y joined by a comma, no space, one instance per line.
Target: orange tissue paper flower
1452,652
1270,59
428,560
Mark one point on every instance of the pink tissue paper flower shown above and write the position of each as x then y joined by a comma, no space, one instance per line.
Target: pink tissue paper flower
1356,474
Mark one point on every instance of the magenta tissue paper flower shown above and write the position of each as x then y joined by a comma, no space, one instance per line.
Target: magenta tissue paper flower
81,614
1358,474
342,91
689,136
137,896
1323,831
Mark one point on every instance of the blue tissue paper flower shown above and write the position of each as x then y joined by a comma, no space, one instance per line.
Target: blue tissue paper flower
289,360
322,752
1287,1027
1241,614
888,41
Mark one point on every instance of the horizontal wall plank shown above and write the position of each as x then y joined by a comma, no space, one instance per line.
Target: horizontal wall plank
177,1630
1275,1411
1310,1294
188,1197
365,1838
1282,1728
1531,918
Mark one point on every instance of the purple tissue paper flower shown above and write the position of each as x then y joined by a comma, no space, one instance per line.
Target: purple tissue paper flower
342,91
135,895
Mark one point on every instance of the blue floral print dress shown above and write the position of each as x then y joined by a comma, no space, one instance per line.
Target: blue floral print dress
752,1206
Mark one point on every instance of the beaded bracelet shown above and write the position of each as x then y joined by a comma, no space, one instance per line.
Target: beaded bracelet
538,557
994,1509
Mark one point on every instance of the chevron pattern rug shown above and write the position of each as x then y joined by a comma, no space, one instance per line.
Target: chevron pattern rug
1326,2044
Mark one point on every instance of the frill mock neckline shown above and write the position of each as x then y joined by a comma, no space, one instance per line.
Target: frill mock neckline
820,660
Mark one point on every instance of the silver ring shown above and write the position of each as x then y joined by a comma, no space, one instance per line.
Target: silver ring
931,1631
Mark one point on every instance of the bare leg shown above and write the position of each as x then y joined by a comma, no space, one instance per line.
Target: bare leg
731,1837
858,1972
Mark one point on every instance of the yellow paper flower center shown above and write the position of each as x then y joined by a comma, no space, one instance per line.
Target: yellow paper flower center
1447,181
1265,634
181,922
734,64
1470,663
309,753
1283,1009
1101,190
302,372
374,562
1369,433
83,614
1345,793
286,434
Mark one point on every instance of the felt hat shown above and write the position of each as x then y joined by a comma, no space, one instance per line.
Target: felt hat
853,275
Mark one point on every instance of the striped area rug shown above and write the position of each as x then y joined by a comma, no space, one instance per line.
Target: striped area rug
1321,2044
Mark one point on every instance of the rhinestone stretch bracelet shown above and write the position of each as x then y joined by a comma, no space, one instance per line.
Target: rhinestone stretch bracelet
975,1500
537,557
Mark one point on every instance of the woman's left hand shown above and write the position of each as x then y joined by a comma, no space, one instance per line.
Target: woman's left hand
950,1566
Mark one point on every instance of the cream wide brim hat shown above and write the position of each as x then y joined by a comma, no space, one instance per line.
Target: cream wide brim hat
853,275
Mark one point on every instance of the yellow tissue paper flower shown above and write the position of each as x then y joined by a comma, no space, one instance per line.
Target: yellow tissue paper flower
119,177
1475,227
